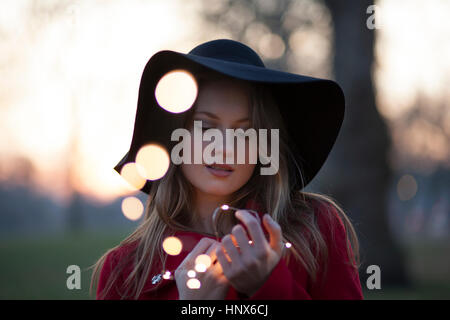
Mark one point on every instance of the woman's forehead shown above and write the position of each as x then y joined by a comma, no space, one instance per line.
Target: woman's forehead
215,116
223,100
235,114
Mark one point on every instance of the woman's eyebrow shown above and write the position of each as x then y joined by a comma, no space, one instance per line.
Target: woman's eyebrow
212,115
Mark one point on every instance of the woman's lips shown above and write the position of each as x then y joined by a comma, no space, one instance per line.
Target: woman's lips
219,170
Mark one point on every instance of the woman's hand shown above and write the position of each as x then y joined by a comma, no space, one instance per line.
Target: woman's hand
213,284
248,268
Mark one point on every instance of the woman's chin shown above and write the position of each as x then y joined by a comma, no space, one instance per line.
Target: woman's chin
222,190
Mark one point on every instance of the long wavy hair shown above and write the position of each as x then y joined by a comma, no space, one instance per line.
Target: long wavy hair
169,207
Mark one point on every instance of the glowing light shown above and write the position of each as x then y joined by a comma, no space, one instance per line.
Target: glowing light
406,187
288,244
203,259
191,274
131,174
193,283
200,267
271,46
250,241
132,208
172,246
153,161
166,275
225,207
72,33
176,91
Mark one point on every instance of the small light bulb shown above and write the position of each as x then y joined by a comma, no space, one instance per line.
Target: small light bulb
193,283
200,267
172,245
191,274
225,207
288,244
250,241
166,275
203,259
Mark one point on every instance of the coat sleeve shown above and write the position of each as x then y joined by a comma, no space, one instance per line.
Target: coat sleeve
281,285
338,281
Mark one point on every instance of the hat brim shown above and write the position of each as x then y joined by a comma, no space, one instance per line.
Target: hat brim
312,108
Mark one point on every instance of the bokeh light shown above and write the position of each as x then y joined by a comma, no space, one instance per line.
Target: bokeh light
130,173
132,208
34,34
203,259
176,91
172,246
406,187
153,161
166,275
193,283
271,46
200,267
191,274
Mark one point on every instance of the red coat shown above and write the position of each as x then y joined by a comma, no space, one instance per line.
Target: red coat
286,281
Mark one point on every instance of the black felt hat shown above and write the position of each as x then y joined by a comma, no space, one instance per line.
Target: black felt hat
312,108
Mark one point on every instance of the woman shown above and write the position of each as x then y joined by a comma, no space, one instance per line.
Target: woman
250,259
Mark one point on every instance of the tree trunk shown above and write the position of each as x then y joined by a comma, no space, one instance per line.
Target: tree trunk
360,175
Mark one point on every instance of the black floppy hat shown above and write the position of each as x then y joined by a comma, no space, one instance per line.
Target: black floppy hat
312,108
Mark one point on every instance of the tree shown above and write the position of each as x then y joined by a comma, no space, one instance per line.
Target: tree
362,151
357,172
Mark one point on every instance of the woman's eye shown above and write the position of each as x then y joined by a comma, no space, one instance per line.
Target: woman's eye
241,131
200,126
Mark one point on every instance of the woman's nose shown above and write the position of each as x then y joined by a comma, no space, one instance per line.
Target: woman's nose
227,148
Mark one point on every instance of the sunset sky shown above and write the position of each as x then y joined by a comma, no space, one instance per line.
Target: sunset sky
70,77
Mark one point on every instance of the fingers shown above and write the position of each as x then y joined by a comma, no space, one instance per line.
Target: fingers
211,252
215,268
230,248
217,271
254,227
203,245
223,261
274,229
241,238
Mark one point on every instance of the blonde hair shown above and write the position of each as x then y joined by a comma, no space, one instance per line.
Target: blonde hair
169,206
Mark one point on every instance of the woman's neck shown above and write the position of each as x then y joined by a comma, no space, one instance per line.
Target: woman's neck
205,204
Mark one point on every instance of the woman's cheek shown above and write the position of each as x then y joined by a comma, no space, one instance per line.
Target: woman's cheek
243,173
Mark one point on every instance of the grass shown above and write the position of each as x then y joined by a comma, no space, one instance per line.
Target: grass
428,264
420,291
35,268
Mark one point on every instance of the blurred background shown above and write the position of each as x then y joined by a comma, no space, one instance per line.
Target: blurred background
70,73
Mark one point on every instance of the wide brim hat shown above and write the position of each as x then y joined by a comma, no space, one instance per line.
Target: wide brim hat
312,108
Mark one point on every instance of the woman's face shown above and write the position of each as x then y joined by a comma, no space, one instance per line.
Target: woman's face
221,104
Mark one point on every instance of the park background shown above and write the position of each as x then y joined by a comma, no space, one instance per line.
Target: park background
70,73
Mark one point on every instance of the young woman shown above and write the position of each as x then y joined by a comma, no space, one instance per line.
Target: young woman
247,247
